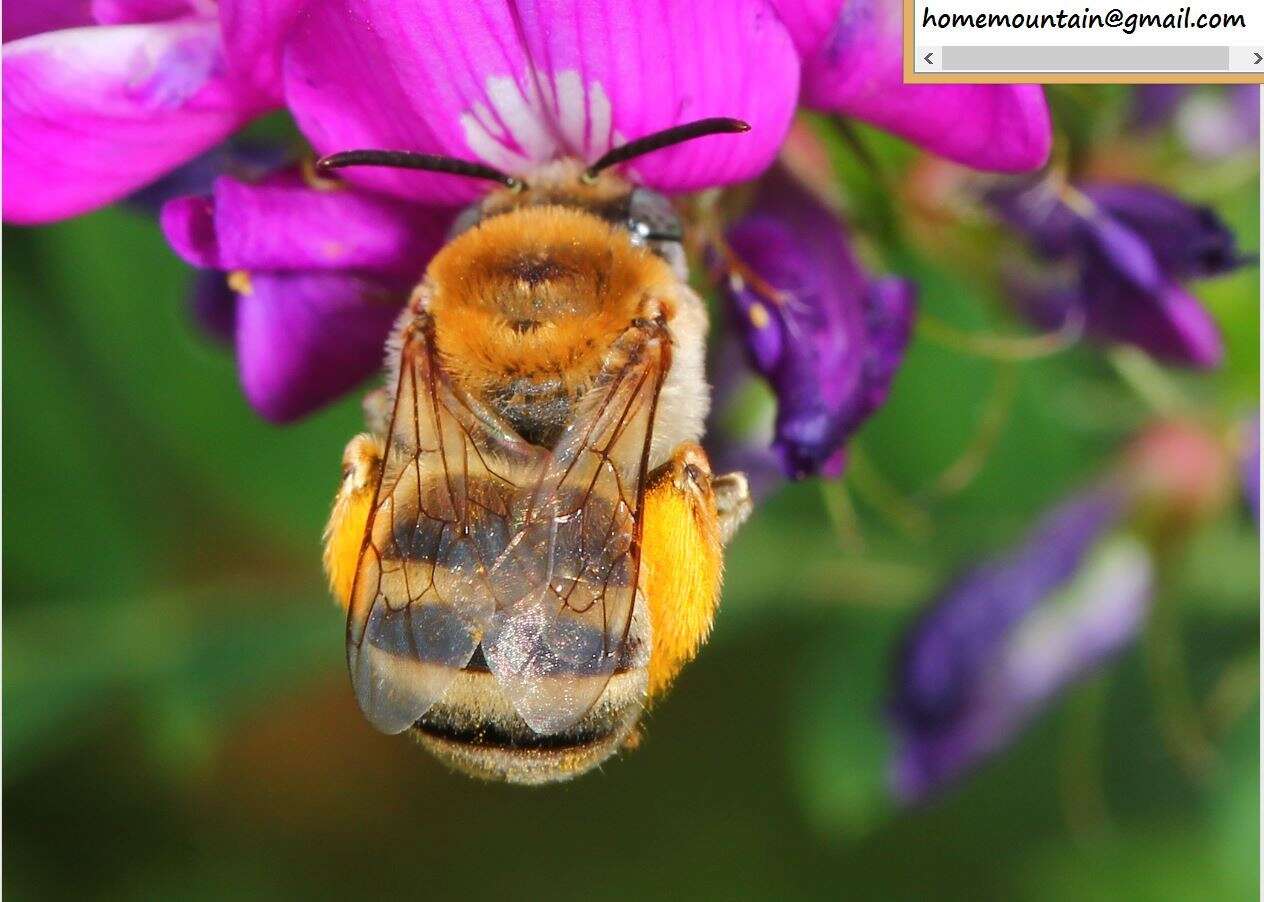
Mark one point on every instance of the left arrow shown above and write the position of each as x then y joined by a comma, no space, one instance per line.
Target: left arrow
928,59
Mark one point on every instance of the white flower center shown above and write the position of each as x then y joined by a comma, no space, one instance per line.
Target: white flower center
519,128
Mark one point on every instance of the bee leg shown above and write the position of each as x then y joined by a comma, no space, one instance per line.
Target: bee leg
681,562
377,411
344,534
733,503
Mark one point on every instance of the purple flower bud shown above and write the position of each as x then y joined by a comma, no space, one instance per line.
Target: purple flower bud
1130,247
995,648
1153,106
1250,465
1212,122
214,305
1188,241
826,335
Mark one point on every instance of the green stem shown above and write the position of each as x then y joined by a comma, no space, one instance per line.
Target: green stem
1180,723
1005,348
842,514
1147,380
874,488
1080,767
991,426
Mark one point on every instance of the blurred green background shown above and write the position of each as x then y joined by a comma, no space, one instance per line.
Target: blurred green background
178,720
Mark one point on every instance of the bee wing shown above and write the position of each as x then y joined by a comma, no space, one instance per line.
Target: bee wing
566,584
422,596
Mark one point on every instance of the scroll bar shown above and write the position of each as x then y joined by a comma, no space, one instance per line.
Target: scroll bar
1084,59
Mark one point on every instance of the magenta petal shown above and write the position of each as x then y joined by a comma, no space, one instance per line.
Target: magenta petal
254,36
94,113
424,75
285,225
610,71
23,18
128,12
808,21
305,338
859,72
189,225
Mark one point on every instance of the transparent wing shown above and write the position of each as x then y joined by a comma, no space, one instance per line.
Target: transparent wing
422,597
566,584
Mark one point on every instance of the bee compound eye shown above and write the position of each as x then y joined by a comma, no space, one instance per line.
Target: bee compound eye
466,220
651,217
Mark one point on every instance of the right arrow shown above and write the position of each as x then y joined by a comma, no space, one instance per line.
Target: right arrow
927,58
1258,59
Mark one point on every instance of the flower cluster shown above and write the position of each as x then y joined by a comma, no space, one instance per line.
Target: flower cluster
95,112
305,276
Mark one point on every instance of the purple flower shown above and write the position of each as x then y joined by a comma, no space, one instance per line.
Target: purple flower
999,645
1154,106
1213,121
1130,247
826,336
247,161
1250,465
321,275
214,305
92,114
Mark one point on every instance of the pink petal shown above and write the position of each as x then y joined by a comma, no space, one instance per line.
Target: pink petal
23,18
610,71
285,225
128,12
189,225
454,78
425,75
254,36
94,113
808,21
305,338
859,72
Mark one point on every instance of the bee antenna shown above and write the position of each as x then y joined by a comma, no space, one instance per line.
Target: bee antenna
407,159
718,125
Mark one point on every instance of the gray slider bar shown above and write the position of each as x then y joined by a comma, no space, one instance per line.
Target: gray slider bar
1085,59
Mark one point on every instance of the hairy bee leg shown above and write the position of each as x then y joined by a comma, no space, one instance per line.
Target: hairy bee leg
733,504
681,560
377,411
344,534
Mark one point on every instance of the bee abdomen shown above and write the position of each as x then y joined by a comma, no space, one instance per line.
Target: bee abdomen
475,730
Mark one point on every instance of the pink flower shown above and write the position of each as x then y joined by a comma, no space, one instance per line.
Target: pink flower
93,113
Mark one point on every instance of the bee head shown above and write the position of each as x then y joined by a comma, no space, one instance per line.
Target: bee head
647,215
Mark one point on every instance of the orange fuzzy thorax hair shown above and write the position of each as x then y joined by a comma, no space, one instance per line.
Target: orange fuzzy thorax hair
538,293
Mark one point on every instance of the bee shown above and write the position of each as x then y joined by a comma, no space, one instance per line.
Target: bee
528,538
